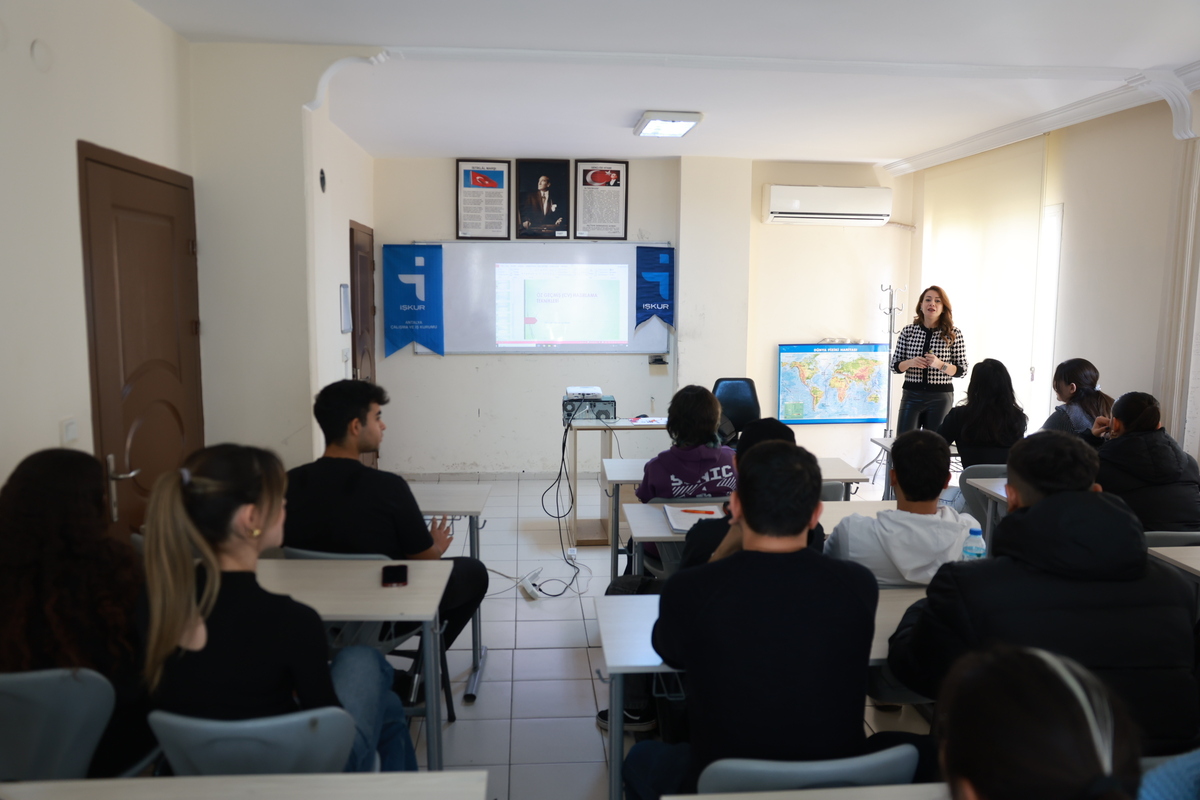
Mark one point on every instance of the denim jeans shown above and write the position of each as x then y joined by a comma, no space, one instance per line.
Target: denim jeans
922,410
362,679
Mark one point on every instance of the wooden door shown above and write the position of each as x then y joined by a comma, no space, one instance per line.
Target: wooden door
139,257
362,309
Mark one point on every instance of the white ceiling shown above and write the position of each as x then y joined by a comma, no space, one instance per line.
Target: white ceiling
823,80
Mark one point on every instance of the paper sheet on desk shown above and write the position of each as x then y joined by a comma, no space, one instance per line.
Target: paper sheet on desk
682,518
649,421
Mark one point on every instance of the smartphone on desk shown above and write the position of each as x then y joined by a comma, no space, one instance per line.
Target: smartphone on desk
395,575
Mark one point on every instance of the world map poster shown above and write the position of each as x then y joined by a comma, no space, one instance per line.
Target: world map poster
833,383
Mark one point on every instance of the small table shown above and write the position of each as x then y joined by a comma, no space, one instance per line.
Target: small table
615,473
626,624
1185,558
885,443
993,490
351,590
911,791
460,499
835,469
455,785
591,532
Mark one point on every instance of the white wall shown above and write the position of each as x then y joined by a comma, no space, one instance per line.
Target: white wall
812,282
119,78
349,195
252,215
503,414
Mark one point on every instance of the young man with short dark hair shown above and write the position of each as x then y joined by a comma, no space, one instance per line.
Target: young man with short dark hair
764,677
906,545
336,504
1069,573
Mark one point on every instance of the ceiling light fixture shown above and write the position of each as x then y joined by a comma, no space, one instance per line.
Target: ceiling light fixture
667,123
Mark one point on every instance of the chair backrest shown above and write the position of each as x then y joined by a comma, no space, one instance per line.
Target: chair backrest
892,766
318,555
974,501
50,722
1172,538
739,400
318,740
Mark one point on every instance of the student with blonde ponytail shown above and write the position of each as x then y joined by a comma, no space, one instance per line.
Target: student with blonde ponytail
219,645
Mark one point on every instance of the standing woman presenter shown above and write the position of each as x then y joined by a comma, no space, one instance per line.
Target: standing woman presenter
929,353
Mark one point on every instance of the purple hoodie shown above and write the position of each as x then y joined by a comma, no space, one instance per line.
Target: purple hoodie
699,471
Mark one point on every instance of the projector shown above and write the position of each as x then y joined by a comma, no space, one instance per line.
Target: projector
584,393
600,408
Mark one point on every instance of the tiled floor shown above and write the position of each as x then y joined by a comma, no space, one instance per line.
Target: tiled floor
533,726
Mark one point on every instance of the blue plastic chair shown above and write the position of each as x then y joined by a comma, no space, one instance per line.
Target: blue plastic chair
896,765
52,721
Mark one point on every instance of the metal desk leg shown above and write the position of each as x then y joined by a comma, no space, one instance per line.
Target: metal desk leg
637,557
616,735
991,515
478,651
845,491
614,526
888,492
433,693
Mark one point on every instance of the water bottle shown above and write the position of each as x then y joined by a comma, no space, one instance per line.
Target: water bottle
974,547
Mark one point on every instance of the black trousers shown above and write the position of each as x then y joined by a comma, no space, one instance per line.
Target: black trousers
464,592
922,410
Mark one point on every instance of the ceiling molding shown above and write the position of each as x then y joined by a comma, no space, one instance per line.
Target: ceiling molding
1170,87
1139,90
761,64
336,67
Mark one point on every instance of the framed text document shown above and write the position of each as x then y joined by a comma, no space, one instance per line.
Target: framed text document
832,383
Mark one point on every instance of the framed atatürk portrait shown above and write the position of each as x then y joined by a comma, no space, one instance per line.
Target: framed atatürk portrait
601,189
483,192
543,199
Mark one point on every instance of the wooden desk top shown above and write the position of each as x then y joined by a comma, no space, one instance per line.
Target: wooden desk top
1186,558
915,791
453,498
892,605
835,469
992,487
467,785
886,443
616,425
351,590
648,521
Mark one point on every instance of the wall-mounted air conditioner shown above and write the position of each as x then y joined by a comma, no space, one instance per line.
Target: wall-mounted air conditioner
826,205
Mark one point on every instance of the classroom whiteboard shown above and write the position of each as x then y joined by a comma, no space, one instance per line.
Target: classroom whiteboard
469,275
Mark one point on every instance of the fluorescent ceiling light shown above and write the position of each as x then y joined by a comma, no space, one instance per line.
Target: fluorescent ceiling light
667,123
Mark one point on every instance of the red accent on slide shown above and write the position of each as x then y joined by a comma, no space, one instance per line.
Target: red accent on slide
482,180
531,320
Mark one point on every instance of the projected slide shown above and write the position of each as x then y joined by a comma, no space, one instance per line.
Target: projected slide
543,305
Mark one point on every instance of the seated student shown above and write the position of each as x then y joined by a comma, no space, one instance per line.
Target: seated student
336,504
68,592
222,647
779,684
1145,467
696,465
990,421
906,545
1018,723
1069,574
705,538
1075,384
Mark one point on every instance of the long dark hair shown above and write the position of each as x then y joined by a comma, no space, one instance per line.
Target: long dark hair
61,576
992,413
945,322
191,510
1138,412
1085,376
1024,724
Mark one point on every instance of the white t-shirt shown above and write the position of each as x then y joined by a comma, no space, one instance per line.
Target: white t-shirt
899,547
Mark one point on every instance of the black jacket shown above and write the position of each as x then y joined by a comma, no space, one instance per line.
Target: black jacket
1152,473
1071,575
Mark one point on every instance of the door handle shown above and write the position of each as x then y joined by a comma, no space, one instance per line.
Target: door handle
113,477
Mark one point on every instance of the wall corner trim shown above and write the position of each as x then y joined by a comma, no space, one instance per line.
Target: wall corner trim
1169,85
334,68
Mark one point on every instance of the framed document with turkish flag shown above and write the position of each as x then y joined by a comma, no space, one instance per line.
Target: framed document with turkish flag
601,189
483,199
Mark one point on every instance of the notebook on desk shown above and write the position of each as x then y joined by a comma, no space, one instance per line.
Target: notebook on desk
682,518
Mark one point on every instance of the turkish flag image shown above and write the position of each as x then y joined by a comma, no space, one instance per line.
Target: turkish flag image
479,179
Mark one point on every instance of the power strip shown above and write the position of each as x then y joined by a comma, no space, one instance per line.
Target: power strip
527,586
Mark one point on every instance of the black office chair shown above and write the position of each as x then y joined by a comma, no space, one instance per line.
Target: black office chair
739,406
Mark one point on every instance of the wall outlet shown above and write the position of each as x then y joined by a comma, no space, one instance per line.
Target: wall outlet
572,554
68,431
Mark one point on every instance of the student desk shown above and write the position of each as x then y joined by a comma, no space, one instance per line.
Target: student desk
351,590
456,785
648,521
993,490
593,532
885,443
460,499
626,623
914,791
616,472
1185,558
